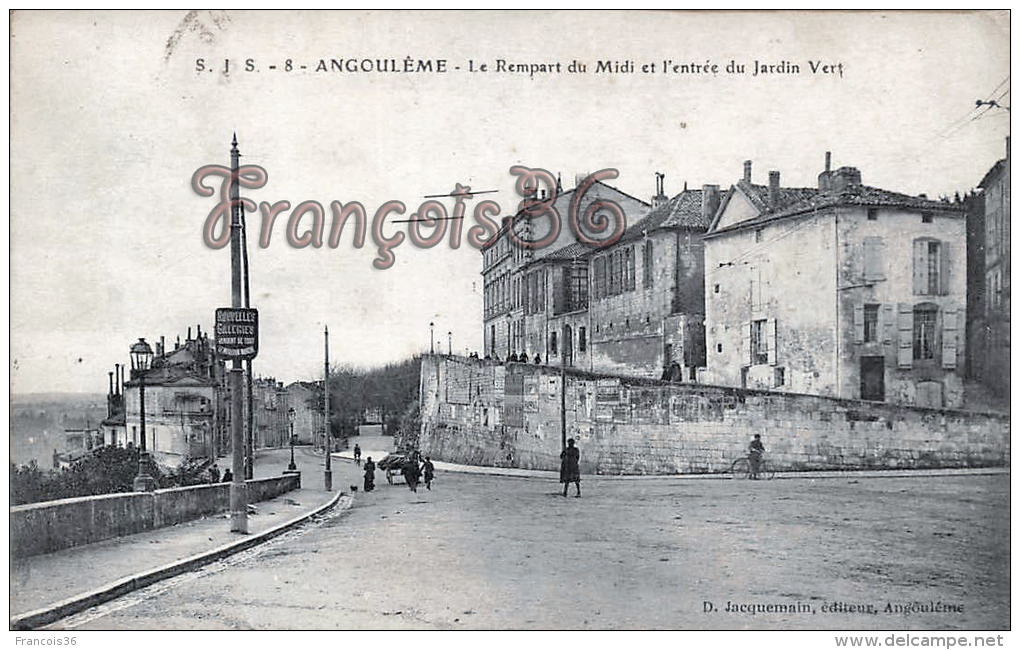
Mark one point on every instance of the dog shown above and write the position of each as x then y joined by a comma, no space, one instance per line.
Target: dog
354,488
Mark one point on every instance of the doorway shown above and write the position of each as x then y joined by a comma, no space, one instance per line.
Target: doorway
873,378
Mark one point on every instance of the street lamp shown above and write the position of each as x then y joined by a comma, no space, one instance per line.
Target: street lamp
141,360
290,416
432,338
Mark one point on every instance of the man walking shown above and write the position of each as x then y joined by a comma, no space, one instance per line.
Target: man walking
410,472
429,470
357,455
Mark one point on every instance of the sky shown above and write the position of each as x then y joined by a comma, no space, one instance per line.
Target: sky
111,115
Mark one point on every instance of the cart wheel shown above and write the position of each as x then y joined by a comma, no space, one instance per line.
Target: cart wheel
389,477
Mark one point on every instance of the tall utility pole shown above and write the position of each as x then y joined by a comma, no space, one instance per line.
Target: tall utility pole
238,488
563,397
249,403
328,476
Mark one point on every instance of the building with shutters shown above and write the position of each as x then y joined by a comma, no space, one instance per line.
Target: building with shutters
842,290
635,307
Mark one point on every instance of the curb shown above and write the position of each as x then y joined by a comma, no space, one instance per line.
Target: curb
514,472
75,604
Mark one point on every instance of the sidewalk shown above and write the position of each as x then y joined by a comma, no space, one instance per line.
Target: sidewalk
812,474
84,572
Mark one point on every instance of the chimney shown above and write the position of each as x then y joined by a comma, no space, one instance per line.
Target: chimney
559,183
773,189
660,190
845,177
189,334
747,171
709,201
162,346
199,331
110,393
177,344
825,178
118,385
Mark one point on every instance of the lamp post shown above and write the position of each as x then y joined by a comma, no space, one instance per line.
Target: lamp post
328,474
432,338
141,359
290,416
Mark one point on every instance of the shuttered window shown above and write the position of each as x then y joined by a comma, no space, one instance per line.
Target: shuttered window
931,267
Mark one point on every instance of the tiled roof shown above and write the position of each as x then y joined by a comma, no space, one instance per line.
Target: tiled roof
759,195
852,195
681,211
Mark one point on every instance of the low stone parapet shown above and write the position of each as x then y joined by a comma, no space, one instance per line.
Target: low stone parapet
54,525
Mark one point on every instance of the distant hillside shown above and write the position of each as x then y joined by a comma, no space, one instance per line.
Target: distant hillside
38,421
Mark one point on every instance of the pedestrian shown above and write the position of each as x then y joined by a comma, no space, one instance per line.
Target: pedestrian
410,472
429,471
357,455
570,469
538,360
757,450
369,475
228,476
214,473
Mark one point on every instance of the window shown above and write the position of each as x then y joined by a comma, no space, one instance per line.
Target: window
872,214
578,288
758,235
647,265
780,376
631,274
926,217
600,277
552,343
873,258
716,288
718,347
582,339
759,346
924,331
870,323
931,267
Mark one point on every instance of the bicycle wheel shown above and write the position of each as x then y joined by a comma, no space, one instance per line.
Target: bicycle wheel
767,471
741,468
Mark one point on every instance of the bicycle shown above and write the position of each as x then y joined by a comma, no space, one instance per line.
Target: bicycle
741,468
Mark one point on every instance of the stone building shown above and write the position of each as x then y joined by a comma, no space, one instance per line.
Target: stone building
185,402
840,290
635,307
989,300
305,397
271,419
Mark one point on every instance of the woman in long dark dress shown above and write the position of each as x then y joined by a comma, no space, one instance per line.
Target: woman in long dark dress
369,475
570,469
